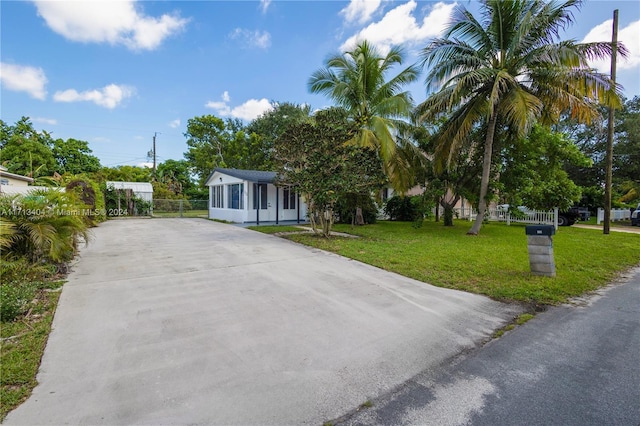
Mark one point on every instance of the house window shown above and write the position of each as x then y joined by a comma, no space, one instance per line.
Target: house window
236,198
289,202
217,197
385,194
4,181
261,191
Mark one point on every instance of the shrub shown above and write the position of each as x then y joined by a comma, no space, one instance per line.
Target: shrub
90,193
15,299
345,208
43,226
405,209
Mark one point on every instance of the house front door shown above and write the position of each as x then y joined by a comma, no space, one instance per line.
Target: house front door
261,202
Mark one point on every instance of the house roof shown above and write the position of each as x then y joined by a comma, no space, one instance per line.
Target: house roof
137,187
250,175
4,172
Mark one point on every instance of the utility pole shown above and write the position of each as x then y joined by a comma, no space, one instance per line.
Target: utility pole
610,125
154,154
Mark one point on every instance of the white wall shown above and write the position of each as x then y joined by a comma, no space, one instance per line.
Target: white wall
249,214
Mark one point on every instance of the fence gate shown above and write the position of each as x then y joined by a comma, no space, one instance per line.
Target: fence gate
180,208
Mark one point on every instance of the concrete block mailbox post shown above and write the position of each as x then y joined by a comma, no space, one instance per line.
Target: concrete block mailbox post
540,245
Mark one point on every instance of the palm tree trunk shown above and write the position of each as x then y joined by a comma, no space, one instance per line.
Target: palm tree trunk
486,173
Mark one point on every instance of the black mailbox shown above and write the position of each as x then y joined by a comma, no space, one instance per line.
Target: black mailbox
540,230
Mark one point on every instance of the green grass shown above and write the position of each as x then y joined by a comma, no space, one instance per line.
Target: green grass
495,263
21,349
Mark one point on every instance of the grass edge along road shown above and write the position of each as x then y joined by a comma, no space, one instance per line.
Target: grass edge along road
22,344
494,263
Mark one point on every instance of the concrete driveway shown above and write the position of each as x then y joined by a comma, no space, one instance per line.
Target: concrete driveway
188,321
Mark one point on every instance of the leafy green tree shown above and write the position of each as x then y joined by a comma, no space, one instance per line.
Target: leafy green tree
265,129
312,157
74,156
591,139
123,173
357,81
206,138
534,173
508,69
214,142
25,151
175,174
626,152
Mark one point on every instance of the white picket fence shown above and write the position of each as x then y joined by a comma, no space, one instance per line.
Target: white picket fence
498,215
616,214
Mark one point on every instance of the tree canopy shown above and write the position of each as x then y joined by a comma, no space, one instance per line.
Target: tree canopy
508,69
357,82
313,158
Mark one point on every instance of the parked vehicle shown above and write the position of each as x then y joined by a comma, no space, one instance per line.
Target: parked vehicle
635,217
568,217
584,213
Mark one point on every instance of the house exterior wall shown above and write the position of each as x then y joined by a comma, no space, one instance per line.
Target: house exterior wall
248,213
24,190
8,180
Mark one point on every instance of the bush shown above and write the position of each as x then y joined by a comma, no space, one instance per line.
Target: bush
90,193
15,299
43,226
405,209
345,208
20,269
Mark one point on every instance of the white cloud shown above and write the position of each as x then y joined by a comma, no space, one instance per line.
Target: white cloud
114,22
253,108
43,120
360,11
629,36
264,5
400,26
109,96
250,38
23,78
175,123
146,165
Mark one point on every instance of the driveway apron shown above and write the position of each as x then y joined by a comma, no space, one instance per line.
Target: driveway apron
189,321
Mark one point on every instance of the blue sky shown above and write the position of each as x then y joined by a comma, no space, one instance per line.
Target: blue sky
114,73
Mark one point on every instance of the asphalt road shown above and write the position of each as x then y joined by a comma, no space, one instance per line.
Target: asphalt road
572,365
189,321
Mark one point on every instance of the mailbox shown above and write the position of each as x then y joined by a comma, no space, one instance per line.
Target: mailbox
540,230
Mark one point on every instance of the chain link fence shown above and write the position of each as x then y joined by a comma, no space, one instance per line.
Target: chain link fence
180,208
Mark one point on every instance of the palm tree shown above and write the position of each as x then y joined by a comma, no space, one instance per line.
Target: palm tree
508,71
356,81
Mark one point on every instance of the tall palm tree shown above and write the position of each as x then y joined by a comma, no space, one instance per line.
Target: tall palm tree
509,70
356,81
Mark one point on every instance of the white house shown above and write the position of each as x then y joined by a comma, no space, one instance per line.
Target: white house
12,179
250,196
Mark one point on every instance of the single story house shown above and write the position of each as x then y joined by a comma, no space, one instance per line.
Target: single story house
12,179
251,196
142,190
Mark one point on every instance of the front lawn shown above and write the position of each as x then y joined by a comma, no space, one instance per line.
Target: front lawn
495,263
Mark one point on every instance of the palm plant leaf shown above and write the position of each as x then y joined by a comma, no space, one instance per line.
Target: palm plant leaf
509,67
357,82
